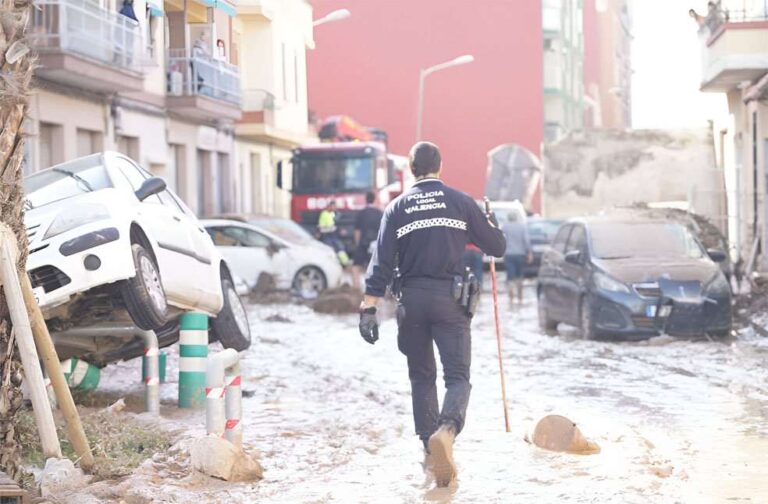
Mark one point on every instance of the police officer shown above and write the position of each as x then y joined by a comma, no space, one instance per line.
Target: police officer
422,236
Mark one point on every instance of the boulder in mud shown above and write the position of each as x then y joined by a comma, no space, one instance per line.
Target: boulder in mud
221,459
558,433
344,299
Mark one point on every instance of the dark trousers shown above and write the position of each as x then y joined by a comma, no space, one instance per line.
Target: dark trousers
427,312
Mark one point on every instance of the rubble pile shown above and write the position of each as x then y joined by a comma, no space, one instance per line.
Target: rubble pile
344,299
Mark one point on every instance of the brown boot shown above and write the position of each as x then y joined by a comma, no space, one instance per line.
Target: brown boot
441,451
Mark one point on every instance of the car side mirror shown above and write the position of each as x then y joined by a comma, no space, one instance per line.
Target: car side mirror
574,257
274,247
717,255
152,185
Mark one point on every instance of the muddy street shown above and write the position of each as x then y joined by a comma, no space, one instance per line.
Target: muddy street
677,421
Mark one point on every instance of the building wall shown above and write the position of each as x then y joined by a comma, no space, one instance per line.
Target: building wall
367,67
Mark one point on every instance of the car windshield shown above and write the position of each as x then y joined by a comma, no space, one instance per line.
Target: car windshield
317,174
543,229
285,229
619,240
66,181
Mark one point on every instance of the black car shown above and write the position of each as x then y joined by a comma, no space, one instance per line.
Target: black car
541,232
632,278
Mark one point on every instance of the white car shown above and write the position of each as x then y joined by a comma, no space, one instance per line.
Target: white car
106,237
279,248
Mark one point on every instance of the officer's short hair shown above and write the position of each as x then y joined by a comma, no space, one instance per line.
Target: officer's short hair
370,197
425,159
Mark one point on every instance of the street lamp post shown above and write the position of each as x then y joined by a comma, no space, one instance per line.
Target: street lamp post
336,15
424,73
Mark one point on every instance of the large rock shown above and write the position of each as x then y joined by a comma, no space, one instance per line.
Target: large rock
557,433
60,476
219,458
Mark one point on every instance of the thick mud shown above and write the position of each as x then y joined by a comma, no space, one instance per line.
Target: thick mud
676,421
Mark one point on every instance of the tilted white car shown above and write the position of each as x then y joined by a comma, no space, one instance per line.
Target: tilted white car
278,247
106,237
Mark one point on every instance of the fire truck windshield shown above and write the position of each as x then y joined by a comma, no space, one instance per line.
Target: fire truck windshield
331,175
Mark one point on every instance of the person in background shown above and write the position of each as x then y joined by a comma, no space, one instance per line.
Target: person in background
221,51
517,253
326,225
473,259
367,225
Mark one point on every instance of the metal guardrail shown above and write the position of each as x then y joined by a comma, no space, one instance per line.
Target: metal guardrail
735,11
85,28
200,75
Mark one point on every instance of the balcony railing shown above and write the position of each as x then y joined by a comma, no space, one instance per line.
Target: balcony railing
84,28
201,75
735,11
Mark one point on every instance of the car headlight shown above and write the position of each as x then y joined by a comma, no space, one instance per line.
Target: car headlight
606,283
78,216
718,285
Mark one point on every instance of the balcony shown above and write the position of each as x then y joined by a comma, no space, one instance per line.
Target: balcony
264,120
81,44
202,88
735,47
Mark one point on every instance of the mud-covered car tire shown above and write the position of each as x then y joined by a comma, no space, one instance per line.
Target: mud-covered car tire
587,325
231,325
143,295
546,323
309,282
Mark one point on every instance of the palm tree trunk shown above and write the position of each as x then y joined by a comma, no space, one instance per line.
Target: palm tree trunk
16,65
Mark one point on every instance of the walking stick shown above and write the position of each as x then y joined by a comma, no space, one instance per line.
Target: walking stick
498,328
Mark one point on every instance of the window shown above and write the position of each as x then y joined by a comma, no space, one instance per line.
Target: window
296,75
88,142
562,237
577,241
128,146
132,173
285,71
233,236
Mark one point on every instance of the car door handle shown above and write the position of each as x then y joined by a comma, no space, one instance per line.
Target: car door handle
201,230
176,218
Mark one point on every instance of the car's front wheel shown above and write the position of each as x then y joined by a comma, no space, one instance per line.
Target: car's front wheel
143,294
546,323
309,282
587,320
231,325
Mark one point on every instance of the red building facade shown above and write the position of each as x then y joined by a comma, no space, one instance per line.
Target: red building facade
368,66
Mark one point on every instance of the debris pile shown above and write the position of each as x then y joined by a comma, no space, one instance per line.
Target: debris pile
344,299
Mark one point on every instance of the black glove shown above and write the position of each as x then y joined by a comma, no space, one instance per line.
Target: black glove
492,219
369,325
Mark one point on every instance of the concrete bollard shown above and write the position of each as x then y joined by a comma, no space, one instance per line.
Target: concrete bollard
152,380
193,353
223,403
233,400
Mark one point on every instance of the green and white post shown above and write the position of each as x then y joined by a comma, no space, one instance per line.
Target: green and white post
193,356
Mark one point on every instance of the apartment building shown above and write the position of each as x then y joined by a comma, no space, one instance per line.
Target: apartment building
563,42
277,34
161,82
607,64
734,50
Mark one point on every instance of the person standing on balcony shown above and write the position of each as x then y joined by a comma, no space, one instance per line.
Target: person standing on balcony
221,51
125,33
201,51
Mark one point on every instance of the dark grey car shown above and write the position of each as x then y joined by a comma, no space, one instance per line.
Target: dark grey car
632,279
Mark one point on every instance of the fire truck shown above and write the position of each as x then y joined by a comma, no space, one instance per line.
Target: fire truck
349,162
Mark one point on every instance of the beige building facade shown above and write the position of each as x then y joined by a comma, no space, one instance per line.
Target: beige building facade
165,89
734,45
275,111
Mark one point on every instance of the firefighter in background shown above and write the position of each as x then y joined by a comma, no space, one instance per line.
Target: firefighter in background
326,225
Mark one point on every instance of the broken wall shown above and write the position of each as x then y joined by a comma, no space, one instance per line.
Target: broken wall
589,171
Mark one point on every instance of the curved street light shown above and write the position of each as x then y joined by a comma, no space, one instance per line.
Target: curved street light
425,72
336,15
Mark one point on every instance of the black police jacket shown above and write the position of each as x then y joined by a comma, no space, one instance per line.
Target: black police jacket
426,229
